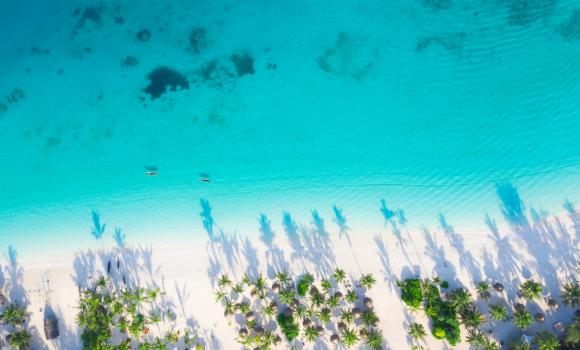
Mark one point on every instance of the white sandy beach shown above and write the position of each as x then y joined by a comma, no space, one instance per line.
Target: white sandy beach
547,251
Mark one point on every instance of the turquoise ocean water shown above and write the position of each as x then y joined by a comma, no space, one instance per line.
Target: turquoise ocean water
290,106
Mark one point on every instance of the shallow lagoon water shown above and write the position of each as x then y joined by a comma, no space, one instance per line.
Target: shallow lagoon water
426,104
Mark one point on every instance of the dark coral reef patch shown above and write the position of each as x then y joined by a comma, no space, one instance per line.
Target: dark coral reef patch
570,29
244,64
163,79
198,40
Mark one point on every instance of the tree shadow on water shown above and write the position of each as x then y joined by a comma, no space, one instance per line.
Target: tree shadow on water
340,220
266,233
207,218
318,224
512,206
574,216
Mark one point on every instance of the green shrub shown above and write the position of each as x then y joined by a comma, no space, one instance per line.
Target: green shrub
289,328
445,318
304,284
444,284
411,292
439,332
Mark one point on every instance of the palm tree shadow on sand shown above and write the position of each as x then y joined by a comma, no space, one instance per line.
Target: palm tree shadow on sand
545,240
466,258
275,260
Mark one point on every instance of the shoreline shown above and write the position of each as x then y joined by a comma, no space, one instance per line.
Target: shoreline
192,268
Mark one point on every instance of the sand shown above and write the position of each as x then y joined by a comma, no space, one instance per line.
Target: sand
545,249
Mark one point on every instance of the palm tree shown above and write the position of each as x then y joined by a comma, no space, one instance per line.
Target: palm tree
224,281
498,312
260,285
531,289
317,299
266,340
159,344
351,296
490,344
471,317
483,289
19,340
460,298
171,337
154,317
244,307
347,317
270,309
573,332
188,338
570,294
349,337
15,314
219,295
282,277
374,339
369,318
523,319
311,333
545,340
324,315
416,331
238,288
367,280
326,285
339,275
475,337
246,280
287,296
333,302
521,345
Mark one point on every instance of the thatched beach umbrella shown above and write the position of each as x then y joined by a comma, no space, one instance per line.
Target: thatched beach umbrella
498,287
539,317
243,332
334,339
250,316
276,288
259,330
552,303
368,302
